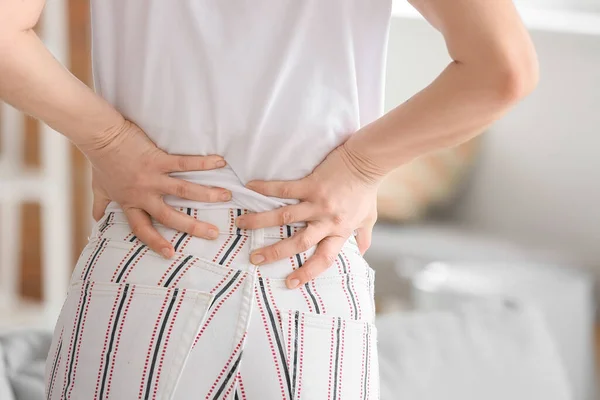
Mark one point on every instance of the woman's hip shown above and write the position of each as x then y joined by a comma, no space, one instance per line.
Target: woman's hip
133,320
115,255
231,249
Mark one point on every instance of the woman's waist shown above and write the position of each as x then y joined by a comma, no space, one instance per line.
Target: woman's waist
233,246
226,178
221,215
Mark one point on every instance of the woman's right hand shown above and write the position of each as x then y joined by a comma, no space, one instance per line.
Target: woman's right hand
129,169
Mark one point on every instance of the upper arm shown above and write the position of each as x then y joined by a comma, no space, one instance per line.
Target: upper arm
478,30
486,35
19,15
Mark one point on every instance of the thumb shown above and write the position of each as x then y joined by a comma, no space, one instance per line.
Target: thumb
363,238
99,206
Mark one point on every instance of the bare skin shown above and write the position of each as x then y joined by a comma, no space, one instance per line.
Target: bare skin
127,166
494,67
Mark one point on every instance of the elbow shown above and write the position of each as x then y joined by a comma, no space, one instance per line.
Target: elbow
515,79
15,19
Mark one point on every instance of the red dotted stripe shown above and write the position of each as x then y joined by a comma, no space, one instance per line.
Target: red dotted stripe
363,366
236,350
300,359
237,251
270,338
152,340
216,309
168,270
331,361
109,326
353,288
132,266
182,274
78,349
222,249
165,345
118,341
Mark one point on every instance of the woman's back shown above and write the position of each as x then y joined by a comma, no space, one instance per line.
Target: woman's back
271,85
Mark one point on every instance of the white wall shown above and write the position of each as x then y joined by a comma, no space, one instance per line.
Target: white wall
538,179
583,5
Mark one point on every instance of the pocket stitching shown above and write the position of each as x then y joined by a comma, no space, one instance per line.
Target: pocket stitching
203,263
146,290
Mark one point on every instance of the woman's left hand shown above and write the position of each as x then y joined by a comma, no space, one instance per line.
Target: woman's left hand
336,199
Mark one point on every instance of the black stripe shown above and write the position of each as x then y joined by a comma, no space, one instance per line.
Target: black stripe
112,339
54,365
289,230
133,238
312,296
367,362
106,222
158,344
189,211
352,296
174,274
295,360
239,212
349,287
232,371
286,372
337,359
230,249
225,288
237,395
89,267
314,299
343,264
76,338
299,260
129,262
180,240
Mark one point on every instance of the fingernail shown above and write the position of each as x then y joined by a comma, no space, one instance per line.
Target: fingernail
240,223
221,163
256,259
225,196
166,252
293,283
213,233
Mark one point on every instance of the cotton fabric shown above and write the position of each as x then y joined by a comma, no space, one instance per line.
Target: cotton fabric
208,324
273,86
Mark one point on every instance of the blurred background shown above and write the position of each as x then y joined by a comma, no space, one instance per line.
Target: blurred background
487,255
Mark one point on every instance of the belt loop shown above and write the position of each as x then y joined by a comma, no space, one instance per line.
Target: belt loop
257,238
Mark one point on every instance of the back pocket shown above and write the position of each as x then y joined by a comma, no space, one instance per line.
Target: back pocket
330,357
123,340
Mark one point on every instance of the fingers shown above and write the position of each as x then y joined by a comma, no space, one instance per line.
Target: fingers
99,207
298,243
363,238
282,189
192,191
325,254
281,216
181,222
176,163
141,226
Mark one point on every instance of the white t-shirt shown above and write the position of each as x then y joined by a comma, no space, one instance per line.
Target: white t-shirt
271,85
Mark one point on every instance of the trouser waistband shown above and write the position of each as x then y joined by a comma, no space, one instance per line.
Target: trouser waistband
223,219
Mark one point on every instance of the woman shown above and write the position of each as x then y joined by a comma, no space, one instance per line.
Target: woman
243,142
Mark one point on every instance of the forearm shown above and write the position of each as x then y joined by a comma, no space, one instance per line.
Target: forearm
457,106
495,65
32,80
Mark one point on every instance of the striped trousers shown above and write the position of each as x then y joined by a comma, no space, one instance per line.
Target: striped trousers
209,325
